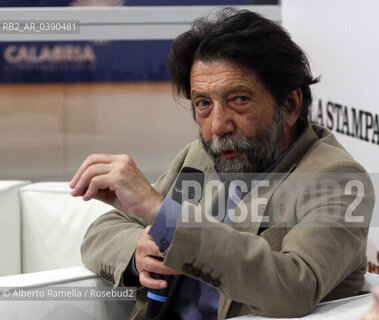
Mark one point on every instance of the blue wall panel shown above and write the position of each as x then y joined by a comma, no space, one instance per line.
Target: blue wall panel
115,61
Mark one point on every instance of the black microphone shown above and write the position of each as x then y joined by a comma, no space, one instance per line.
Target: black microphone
157,297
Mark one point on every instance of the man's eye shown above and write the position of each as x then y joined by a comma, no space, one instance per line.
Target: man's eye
202,104
241,99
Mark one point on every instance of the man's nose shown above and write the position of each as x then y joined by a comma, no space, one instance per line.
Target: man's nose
222,121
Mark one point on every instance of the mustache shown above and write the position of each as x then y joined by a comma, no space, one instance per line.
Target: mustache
228,143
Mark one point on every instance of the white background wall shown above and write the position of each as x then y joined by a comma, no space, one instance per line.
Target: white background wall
341,38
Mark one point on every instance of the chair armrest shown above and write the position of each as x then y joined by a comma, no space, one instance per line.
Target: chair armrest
60,309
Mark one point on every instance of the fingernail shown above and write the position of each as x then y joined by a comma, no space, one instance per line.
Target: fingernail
162,284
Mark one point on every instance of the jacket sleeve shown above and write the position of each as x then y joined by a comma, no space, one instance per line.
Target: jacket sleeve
311,259
111,239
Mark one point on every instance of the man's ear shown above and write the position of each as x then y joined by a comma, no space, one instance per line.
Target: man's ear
292,108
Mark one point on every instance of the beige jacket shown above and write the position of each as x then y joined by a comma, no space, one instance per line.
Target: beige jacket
282,272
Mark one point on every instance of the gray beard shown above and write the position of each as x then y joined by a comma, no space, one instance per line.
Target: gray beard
258,153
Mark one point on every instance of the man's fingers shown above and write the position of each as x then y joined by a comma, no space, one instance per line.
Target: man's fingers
152,249
146,245
88,176
147,281
146,250
97,183
151,264
92,159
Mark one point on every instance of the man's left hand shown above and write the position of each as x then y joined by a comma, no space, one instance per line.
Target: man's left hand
116,180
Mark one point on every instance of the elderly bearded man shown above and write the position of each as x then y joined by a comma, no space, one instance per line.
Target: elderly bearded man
249,85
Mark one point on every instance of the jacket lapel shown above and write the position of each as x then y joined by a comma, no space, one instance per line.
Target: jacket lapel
256,203
252,208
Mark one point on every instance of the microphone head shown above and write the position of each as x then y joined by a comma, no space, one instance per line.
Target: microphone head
158,297
192,175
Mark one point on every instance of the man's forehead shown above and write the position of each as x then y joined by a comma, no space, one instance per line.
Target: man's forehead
218,67
196,92
219,74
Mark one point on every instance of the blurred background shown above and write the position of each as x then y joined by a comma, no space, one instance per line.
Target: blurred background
63,100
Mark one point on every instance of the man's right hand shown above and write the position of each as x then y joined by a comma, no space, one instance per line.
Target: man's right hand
146,261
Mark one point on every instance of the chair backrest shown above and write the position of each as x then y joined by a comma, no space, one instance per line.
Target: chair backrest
10,245
53,225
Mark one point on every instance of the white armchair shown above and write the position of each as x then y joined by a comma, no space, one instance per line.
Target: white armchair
42,226
53,225
349,308
10,222
52,228
60,309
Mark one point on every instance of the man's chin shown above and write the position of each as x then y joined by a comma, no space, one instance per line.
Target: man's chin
231,164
